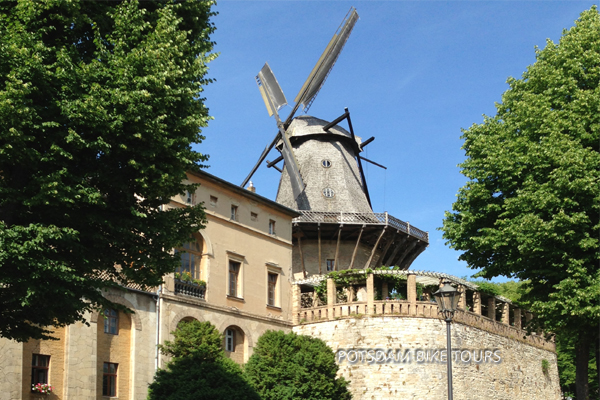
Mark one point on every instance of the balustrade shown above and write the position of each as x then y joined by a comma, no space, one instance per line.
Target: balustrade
308,308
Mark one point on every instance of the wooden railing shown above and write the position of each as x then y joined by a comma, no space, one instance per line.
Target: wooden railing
362,218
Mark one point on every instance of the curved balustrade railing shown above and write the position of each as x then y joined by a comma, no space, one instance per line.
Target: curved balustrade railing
501,316
362,218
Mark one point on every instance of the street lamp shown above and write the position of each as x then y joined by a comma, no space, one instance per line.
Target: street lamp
447,299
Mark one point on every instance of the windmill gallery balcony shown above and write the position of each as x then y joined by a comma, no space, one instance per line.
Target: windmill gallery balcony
353,240
368,296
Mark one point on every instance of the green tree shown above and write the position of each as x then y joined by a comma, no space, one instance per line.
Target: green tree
289,366
99,106
194,336
531,207
199,369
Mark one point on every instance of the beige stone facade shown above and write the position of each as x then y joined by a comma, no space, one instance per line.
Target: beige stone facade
257,238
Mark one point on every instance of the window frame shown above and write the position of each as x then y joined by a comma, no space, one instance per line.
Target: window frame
273,270
111,378
272,289
234,212
111,321
193,257
332,264
233,278
36,368
272,230
230,340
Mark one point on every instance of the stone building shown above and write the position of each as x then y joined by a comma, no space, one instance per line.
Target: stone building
244,255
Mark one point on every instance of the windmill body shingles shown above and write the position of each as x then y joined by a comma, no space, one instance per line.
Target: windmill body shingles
335,188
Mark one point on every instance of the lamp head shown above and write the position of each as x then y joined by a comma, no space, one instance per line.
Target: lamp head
447,300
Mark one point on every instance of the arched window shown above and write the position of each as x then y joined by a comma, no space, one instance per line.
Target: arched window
191,258
234,345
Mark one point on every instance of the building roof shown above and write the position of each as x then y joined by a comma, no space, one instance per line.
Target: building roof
245,192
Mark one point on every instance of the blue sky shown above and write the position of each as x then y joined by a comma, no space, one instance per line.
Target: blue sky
413,74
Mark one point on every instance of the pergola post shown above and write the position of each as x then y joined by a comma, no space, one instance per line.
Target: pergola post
331,295
477,303
296,304
370,294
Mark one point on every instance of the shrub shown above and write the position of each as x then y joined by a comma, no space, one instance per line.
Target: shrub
290,366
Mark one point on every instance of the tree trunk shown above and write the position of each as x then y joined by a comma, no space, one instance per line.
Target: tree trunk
582,356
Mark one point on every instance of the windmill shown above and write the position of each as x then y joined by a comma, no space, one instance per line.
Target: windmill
275,99
323,179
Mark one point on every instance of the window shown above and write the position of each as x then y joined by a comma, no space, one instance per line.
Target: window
189,197
213,201
253,216
234,212
326,163
229,340
328,192
191,257
330,264
109,379
111,322
272,289
39,369
234,278
271,227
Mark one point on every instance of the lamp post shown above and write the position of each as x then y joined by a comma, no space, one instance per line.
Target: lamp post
447,299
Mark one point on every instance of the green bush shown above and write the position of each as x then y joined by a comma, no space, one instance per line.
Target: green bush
199,369
290,367
193,337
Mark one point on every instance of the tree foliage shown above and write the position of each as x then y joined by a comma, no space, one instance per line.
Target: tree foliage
531,207
290,366
199,369
100,102
194,336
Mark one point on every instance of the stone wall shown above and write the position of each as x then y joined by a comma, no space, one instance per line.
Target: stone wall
518,375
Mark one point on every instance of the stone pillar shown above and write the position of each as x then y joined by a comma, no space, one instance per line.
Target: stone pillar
492,308
81,361
462,302
350,294
384,291
296,304
477,303
517,312
370,294
411,289
11,359
169,285
506,313
331,297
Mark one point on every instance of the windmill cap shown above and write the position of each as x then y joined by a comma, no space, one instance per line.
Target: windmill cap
306,125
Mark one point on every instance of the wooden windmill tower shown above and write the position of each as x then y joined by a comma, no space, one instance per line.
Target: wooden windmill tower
323,178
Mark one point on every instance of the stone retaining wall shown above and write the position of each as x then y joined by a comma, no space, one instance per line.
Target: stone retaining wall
518,375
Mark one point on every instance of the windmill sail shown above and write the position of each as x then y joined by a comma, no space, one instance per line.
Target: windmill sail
320,72
268,86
